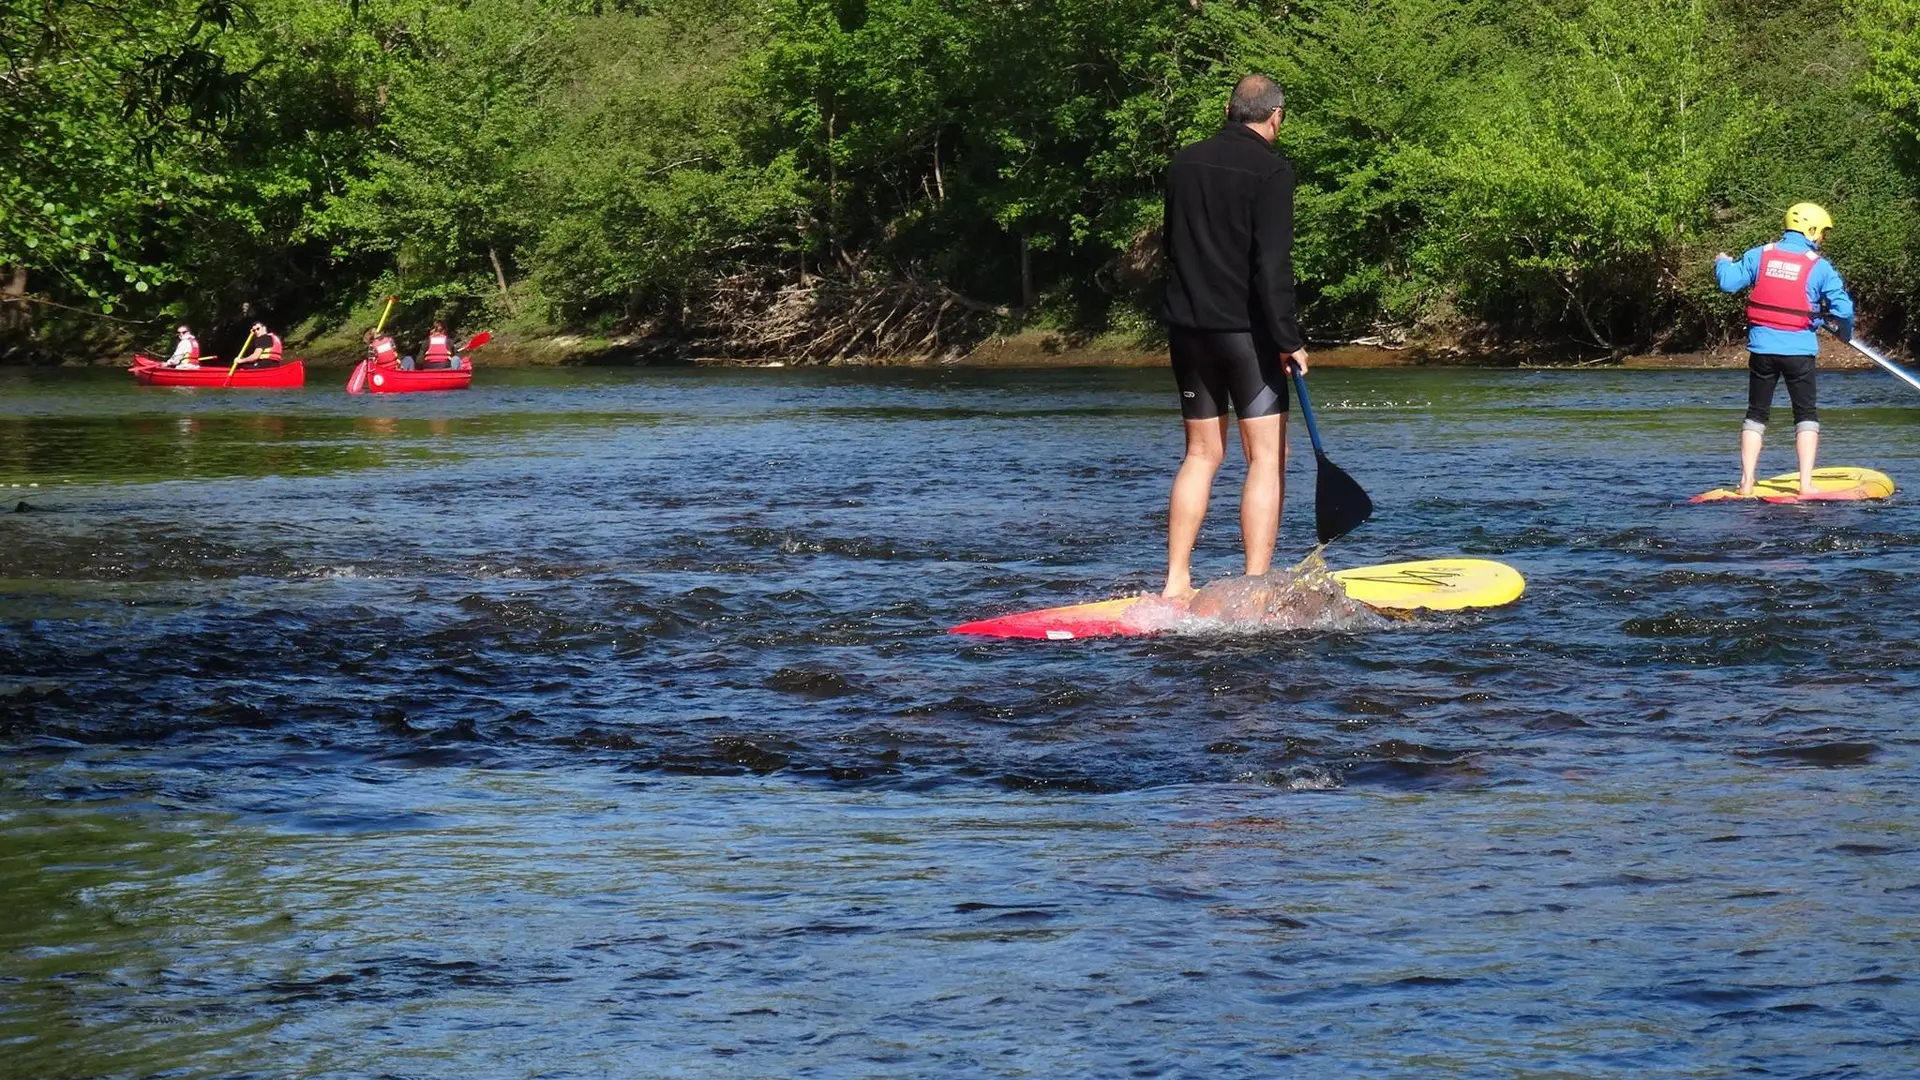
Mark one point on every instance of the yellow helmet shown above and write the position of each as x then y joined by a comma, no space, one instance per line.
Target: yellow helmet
1809,219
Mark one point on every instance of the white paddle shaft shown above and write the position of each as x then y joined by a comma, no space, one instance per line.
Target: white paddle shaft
1873,354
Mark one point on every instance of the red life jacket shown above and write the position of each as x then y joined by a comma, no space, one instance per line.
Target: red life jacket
383,350
193,347
437,348
1779,297
275,350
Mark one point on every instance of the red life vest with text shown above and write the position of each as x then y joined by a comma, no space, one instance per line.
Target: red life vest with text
437,348
383,350
1779,297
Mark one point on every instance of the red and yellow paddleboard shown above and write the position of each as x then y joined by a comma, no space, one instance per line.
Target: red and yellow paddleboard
1837,484
1430,584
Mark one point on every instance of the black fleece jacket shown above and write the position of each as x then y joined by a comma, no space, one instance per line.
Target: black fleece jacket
1229,238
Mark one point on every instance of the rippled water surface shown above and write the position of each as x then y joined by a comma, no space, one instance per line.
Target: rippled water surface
599,724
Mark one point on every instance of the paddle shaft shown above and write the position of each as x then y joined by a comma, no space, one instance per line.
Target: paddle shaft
1873,354
1306,410
1339,504
237,357
357,381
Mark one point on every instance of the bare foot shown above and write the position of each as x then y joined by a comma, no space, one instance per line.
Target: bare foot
1171,592
1744,488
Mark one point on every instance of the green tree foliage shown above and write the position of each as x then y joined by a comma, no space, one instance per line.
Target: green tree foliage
102,106
1554,171
644,181
1876,155
458,88
1569,200
1377,92
953,132
1890,31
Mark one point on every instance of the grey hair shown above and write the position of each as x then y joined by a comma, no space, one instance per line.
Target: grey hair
1254,99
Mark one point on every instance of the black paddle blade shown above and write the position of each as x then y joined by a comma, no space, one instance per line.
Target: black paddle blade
1339,504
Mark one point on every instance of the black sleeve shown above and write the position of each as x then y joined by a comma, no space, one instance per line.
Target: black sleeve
1166,221
1273,258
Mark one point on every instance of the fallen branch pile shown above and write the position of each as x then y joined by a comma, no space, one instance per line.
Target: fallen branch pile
853,313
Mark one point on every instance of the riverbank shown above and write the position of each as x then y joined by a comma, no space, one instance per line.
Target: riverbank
544,347
1047,348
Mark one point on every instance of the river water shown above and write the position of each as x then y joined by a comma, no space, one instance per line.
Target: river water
602,724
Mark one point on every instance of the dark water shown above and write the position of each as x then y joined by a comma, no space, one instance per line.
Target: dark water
602,724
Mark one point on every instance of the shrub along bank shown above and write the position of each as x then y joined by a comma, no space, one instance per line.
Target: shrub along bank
827,180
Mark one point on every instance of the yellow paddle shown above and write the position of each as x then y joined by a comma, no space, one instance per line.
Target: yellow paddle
237,358
358,380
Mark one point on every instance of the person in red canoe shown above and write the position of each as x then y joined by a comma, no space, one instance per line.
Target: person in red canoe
186,354
380,349
439,354
264,355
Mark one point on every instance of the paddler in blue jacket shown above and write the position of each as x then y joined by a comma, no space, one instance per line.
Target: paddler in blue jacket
1794,289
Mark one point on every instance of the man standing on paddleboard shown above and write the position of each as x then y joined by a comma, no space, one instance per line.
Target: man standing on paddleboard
1793,289
1231,317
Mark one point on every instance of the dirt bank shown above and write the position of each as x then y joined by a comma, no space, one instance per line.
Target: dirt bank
1026,349
1041,349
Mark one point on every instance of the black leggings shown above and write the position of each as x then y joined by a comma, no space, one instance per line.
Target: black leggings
1213,368
1764,371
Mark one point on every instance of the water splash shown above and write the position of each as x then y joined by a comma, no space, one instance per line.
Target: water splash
1304,596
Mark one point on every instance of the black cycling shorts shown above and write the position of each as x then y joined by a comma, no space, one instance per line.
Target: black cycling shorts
1764,371
1213,369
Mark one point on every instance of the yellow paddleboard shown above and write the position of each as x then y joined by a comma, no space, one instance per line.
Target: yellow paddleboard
1433,584
1838,484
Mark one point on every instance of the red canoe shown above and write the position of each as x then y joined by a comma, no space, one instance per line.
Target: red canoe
388,380
150,372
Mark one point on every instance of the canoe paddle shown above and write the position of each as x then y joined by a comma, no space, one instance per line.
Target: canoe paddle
466,351
357,382
1339,504
237,357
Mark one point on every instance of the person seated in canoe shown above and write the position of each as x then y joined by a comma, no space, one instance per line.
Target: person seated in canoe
438,354
186,354
264,355
380,349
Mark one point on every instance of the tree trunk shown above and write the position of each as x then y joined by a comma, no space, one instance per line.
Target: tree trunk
1026,274
939,181
13,300
833,190
500,277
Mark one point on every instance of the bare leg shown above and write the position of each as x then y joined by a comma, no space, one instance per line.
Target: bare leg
1192,485
1749,459
1263,440
1807,444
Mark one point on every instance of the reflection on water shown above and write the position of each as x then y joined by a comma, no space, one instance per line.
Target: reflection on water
119,935
400,921
603,723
